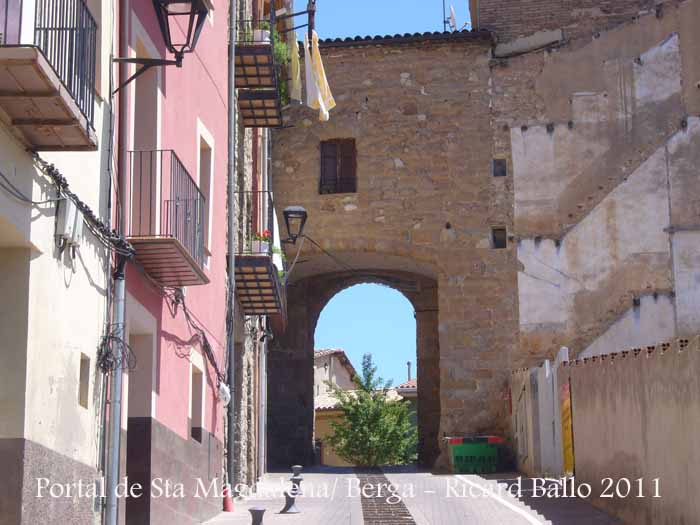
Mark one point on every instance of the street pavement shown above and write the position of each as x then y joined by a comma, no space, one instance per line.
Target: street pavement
332,496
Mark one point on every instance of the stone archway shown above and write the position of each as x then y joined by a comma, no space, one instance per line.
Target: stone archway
290,363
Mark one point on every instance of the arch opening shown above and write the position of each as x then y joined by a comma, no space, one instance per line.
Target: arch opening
291,363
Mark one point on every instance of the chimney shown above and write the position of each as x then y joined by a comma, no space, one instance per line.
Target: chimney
408,364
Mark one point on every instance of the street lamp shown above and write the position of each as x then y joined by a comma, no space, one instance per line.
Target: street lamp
168,12
295,219
192,12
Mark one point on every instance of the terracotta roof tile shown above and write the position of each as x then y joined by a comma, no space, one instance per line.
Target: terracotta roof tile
409,38
412,384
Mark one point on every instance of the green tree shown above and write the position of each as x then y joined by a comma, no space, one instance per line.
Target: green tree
376,429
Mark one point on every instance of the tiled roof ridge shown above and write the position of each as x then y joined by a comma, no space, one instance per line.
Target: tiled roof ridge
412,383
407,38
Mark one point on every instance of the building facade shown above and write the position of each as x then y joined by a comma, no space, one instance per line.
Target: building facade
526,184
331,367
54,267
104,162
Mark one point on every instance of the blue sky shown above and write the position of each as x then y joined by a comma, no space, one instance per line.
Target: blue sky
336,18
369,318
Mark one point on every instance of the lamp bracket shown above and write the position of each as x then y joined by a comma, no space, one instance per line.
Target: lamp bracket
292,15
146,64
294,28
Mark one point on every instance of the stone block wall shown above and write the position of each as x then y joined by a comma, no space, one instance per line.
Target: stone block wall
426,202
598,199
511,19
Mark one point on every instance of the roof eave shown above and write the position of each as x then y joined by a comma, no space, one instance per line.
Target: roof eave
477,37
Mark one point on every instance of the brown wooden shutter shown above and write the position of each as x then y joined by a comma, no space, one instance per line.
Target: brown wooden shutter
347,180
329,167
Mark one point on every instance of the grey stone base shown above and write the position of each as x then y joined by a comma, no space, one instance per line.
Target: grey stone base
156,454
23,463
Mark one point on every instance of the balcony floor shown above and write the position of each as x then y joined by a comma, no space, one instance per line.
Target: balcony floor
255,66
167,261
257,286
260,108
37,106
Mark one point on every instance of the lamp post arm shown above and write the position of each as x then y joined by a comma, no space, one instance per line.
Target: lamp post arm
146,64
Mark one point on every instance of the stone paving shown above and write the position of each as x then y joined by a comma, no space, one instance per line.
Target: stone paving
331,497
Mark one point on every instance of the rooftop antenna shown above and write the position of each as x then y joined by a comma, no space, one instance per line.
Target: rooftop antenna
453,19
444,17
450,19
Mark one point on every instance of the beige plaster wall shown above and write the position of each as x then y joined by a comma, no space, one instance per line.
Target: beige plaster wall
635,418
64,298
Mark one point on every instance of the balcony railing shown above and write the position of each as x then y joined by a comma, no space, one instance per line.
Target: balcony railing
255,58
66,33
52,66
260,58
165,203
258,286
257,212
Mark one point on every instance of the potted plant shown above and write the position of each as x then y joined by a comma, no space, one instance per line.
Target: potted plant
262,33
261,242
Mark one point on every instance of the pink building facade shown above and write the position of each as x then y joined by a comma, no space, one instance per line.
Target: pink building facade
172,137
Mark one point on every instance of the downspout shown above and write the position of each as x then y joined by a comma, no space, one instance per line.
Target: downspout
115,403
231,295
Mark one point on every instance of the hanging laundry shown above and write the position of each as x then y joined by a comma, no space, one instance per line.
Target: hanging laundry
313,97
325,95
295,70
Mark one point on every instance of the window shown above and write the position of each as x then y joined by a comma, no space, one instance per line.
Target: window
84,387
338,166
205,177
499,238
499,167
197,401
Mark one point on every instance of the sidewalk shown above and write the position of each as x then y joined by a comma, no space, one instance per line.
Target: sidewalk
331,497
324,501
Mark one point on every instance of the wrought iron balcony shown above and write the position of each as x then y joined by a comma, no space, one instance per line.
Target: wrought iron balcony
166,218
258,286
47,73
259,72
255,59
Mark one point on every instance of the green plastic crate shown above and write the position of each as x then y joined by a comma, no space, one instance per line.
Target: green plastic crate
477,455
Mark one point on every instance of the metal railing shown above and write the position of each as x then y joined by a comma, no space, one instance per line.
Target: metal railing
66,33
259,31
256,213
164,201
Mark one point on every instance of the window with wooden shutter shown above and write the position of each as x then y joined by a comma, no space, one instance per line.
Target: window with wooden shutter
338,166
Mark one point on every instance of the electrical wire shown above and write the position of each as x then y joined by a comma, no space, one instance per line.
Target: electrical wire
294,262
113,352
342,264
178,299
110,238
7,185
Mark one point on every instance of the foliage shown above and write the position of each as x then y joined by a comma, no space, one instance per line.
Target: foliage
265,236
375,429
281,53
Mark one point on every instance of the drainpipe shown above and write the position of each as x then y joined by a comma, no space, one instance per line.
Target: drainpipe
115,404
231,172
116,383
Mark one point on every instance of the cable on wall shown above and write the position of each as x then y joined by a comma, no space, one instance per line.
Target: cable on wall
110,238
177,298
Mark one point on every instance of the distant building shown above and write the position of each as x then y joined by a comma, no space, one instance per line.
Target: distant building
331,367
409,391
